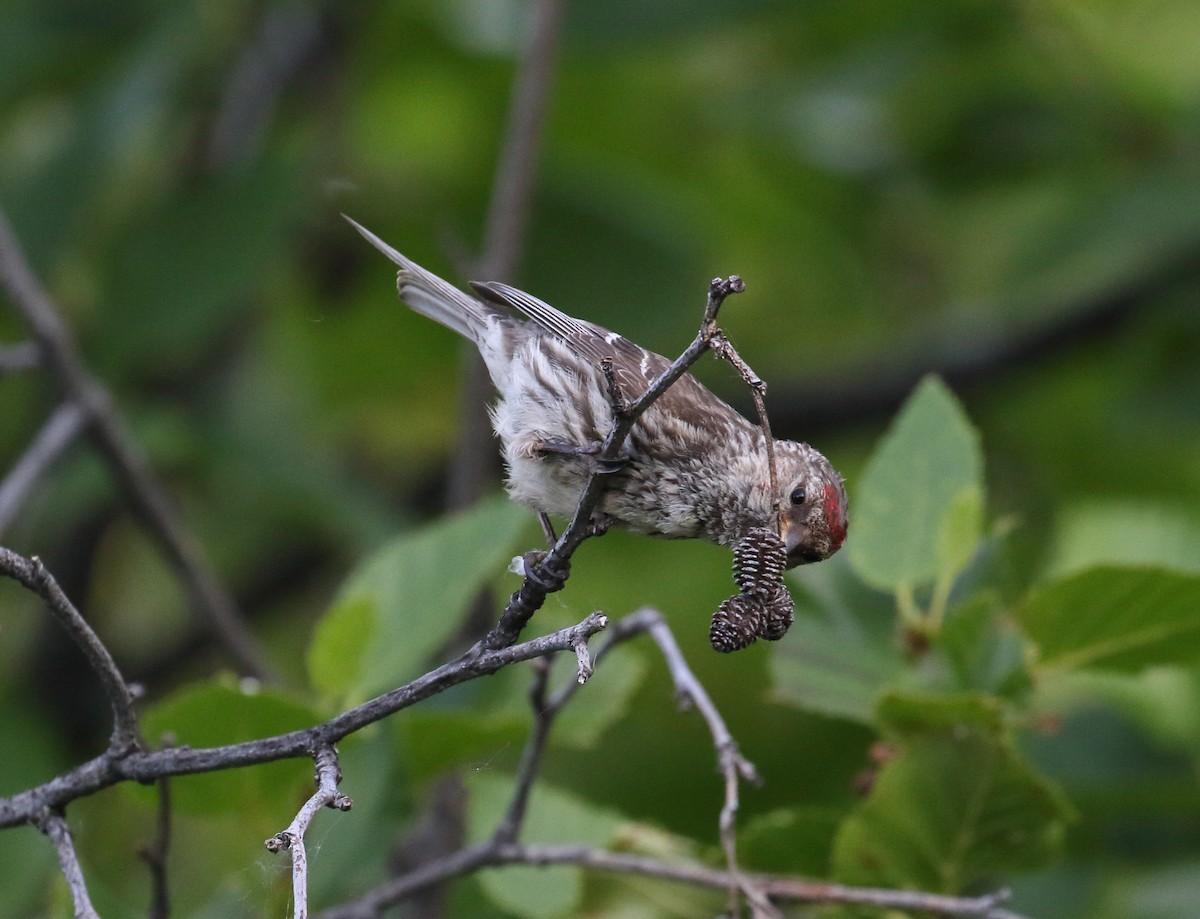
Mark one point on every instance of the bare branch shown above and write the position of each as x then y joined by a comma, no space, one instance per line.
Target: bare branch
54,437
32,574
55,827
486,855
328,776
125,459
146,766
155,854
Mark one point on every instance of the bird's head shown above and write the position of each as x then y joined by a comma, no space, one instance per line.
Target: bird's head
813,513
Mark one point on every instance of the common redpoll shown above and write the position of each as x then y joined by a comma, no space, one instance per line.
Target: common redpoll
692,466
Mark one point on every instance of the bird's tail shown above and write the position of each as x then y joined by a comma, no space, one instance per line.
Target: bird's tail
430,296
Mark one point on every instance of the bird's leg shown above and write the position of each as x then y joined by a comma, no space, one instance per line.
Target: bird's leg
547,528
546,570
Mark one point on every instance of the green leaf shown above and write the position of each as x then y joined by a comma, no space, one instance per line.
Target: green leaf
916,503
956,804
840,654
1115,617
788,841
407,599
959,531
554,816
339,646
983,647
214,714
1126,533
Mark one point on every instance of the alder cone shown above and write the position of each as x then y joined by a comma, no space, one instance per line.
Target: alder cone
736,623
778,614
759,560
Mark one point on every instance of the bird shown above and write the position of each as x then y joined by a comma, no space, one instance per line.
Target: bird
692,466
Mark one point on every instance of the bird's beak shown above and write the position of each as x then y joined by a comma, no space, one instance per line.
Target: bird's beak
793,535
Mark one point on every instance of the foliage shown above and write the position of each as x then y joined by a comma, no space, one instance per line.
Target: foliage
997,681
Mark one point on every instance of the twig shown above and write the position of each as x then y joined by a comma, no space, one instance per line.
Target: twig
128,464
55,827
733,766
287,34
155,854
486,855
527,769
723,349
32,574
18,357
527,599
146,766
328,775
55,436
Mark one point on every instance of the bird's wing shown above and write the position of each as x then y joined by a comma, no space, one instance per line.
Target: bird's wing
634,367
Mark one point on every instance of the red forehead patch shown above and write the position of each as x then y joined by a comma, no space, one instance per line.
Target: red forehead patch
835,515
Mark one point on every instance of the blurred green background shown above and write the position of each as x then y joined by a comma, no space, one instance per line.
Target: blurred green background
1007,194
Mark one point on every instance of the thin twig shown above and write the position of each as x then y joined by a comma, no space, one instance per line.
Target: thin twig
733,765
723,348
124,457
55,827
55,436
531,757
32,574
328,776
485,855
287,35
155,854
146,766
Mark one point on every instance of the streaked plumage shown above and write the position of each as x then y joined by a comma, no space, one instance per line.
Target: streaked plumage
695,467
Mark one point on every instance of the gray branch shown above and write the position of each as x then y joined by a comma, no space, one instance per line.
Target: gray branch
125,459
32,574
54,437
111,768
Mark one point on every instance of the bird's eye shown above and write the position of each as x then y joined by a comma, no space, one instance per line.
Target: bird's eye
797,496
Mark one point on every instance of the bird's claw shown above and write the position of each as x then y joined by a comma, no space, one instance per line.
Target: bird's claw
599,523
597,464
546,570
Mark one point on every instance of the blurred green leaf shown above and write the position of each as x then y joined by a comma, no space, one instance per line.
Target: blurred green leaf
959,531
788,841
554,817
954,805
916,501
840,653
983,647
824,669
407,599
1125,533
339,646
1116,618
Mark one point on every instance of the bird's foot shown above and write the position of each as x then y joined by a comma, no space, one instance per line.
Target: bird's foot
597,464
546,570
600,523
